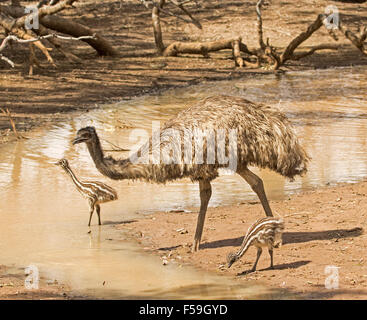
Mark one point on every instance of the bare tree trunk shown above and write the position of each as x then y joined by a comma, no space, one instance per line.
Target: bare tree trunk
157,27
260,25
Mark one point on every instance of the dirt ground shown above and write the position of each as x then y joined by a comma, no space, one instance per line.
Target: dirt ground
324,227
52,92
12,287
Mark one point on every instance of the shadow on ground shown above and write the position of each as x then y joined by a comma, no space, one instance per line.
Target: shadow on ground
291,237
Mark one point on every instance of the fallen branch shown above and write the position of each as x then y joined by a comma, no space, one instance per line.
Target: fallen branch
288,53
298,56
44,11
15,38
201,47
357,41
32,57
8,24
74,29
268,53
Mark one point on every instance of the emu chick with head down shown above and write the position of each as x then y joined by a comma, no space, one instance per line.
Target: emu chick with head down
264,138
95,192
265,232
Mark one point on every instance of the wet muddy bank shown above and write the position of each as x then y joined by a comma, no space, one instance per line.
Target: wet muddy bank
12,287
324,227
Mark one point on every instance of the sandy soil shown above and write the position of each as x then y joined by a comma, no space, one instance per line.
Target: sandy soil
52,92
324,227
12,287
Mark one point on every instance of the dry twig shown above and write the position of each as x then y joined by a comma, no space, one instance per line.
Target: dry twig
8,114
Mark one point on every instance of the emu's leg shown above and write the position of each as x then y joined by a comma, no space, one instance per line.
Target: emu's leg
257,185
91,210
205,194
271,258
98,209
259,252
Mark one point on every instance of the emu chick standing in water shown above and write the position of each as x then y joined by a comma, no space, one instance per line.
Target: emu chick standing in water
96,192
265,232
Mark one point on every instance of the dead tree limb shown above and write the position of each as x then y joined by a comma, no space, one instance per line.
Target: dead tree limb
14,38
65,26
9,25
8,114
44,11
236,52
298,56
288,53
43,31
357,41
76,30
193,20
32,57
260,25
157,30
200,47
275,60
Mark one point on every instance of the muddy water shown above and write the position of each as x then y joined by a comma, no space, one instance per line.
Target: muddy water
43,217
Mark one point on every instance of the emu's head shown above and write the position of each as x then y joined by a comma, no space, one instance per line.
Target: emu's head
87,134
231,258
63,163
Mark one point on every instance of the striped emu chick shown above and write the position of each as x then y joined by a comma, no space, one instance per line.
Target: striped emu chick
265,232
95,192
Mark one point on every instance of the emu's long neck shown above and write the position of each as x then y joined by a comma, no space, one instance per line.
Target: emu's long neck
70,172
112,168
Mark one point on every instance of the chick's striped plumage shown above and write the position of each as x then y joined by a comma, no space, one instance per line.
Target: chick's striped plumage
94,191
265,232
97,190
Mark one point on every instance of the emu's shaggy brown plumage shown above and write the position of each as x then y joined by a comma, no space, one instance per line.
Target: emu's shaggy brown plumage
264,138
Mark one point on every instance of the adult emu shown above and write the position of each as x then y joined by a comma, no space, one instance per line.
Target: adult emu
263,138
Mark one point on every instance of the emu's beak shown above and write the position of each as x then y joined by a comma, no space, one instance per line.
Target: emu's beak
77,140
